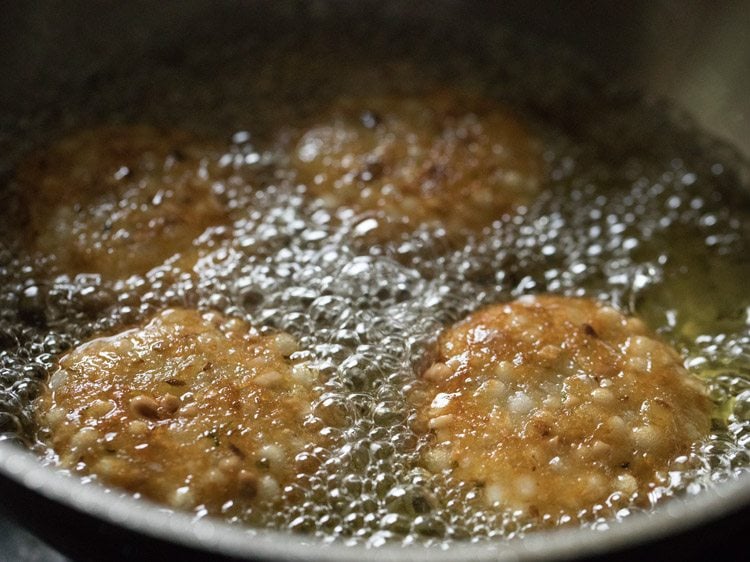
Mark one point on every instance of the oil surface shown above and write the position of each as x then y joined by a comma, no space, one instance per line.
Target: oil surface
640,209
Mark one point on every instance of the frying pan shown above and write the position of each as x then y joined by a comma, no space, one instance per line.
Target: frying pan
53,53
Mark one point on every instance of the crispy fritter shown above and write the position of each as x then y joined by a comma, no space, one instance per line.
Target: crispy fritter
192,409
119,200
552,404
442,158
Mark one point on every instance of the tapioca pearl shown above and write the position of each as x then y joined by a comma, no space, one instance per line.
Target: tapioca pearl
636,325
55,416
549,352
610,318
57,378
274,455
626,484
658,412
269,379
258,364
504,371
437,372
438,459
144,406
641,345
207,340
552,402
494,390
648,438
525,486
441,402
639,364
602,396
110,467
84,440
304,375
232,326
617,427
456,362
285,344
100,408
599,450
520,403
268,488
595,485
137,428
441,422
494,495
214,477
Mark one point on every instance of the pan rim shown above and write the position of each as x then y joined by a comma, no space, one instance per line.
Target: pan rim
215,536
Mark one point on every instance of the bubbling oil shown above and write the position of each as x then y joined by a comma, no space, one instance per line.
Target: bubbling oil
640,209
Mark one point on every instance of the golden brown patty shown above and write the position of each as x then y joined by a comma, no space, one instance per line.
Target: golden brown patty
119,200
192,409
552,404
433,159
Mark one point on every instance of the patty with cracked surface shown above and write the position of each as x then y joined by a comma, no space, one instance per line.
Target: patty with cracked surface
191,409
120,200
553,404
443,159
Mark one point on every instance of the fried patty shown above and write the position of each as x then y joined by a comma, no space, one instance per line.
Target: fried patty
119,200
553,404
438,159
191,409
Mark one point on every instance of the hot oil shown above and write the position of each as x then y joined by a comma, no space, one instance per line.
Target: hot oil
641,209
